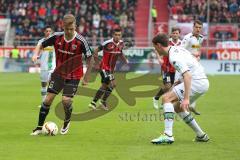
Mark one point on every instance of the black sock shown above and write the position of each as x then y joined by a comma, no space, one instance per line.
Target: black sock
68,112
159,94
98,94
43,114
107,93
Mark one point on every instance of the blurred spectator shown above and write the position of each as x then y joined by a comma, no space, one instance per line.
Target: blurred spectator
221,11
154,14
30,53
96,20
14,53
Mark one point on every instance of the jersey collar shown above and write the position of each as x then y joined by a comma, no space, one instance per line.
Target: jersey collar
75,34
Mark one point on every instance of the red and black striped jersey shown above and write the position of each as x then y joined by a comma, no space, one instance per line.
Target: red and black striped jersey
69,54
166,66
111,52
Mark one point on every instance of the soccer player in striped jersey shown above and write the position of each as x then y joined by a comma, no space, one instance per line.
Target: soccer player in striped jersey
112,50
168,71
70,47
47,62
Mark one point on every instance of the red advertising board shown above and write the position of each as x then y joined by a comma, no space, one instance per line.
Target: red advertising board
223,54
5,51
224,31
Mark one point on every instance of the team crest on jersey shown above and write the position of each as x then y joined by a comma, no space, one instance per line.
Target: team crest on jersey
74,46
110,46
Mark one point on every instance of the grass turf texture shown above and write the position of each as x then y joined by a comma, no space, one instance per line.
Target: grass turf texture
113,136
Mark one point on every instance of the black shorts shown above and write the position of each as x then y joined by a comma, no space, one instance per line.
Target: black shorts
168,77
106,76
57,83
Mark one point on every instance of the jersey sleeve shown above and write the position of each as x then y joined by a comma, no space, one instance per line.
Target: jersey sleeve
40,42
184,42
49,41
87,52
202,39
179,65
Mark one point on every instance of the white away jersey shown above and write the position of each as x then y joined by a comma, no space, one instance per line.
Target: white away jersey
171,42
183,61
47,58
192,43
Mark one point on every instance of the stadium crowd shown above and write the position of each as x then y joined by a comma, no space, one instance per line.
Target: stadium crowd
221,11
96,18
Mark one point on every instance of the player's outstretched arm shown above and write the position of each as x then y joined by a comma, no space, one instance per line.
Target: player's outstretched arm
90,62
37,52
187,78
95,55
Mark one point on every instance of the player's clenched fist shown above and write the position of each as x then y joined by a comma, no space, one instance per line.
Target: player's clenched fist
34,58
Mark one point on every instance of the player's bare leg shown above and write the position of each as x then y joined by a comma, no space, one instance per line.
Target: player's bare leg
44,110
163,90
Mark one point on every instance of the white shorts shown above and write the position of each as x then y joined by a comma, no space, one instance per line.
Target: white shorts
178,77
198,88
45,76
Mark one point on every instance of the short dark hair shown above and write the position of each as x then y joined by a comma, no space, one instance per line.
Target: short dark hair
47,26
118,29
176,29
161,38
197,22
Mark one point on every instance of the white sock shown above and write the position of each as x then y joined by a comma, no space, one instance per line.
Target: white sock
168,118
43,92
191,122
193,105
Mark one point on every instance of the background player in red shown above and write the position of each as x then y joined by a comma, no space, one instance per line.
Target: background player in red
168,71
69,47
112,50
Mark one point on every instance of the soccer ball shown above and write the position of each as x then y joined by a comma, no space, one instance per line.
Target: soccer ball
50,129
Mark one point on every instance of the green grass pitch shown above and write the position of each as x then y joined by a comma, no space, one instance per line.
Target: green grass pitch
113,136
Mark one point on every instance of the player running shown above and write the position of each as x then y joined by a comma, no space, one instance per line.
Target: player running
168,71
69,47
112,50
195,84
47,62
193,42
